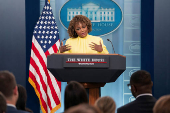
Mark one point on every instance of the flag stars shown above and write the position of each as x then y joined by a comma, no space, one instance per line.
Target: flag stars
51,32
55,32
53,22
42,36
36,27
46,37
40,27
47,32
41,22
49,17
45,22
44,46
43,32
50,37
49,41
49,22
44,27
35,31
48,27
47,7
54,37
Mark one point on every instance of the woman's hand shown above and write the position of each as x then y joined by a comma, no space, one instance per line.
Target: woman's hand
64,48
96,47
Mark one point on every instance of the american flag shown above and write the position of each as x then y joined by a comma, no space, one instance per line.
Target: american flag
45,41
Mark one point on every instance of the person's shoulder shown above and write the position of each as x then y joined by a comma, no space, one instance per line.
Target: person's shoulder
127,106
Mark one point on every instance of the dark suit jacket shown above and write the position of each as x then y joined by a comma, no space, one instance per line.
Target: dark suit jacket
11,109
143,104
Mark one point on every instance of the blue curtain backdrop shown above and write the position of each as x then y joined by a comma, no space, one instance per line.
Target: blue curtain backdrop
126,41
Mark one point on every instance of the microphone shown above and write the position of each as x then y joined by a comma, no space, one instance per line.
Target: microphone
112,44
60,44
63,39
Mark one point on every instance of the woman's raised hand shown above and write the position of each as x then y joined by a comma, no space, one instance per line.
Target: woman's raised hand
64,48
96,47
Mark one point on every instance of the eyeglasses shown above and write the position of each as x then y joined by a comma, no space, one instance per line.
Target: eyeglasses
129,85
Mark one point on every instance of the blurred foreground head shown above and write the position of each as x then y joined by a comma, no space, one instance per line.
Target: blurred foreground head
106,104
162,105
2,103
82,108
75,94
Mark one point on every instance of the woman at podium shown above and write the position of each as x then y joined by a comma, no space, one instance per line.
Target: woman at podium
80,41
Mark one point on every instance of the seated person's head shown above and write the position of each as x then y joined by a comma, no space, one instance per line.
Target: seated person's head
75,94
140,82
162,105
2,103
106,104
21,103
82,108
8,86
75,21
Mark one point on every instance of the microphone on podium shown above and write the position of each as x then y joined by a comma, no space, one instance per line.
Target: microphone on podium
112,44
63,39
60,44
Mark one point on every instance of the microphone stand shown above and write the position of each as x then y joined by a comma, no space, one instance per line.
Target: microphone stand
112,45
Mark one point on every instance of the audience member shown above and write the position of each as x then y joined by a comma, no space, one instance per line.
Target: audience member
9,88
162,105
2,103
106,104
82,108
141,88
75,94
21,102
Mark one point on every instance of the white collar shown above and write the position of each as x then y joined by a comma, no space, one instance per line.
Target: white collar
11,105
144,94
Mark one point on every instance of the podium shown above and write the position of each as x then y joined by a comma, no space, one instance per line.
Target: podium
91,70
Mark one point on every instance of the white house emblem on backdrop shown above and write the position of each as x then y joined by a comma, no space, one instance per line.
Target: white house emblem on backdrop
93,11
106,15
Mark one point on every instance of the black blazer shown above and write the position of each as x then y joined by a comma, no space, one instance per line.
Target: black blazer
11,109
143,104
